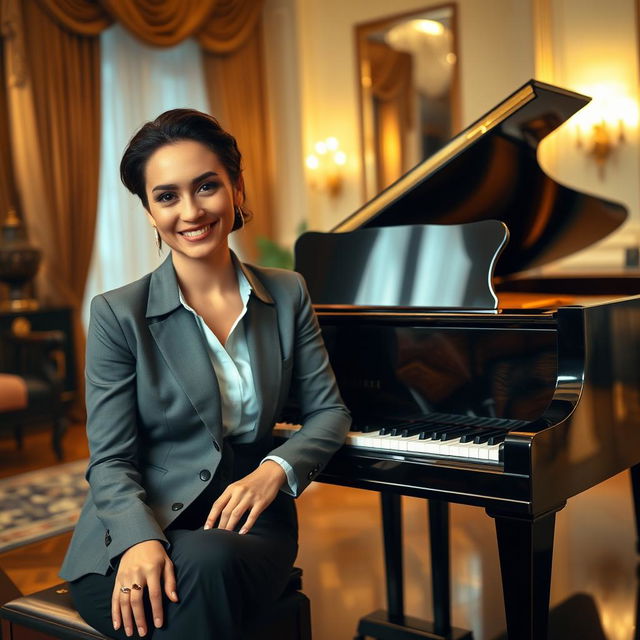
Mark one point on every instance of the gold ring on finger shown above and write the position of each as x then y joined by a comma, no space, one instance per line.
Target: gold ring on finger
136,587
125,589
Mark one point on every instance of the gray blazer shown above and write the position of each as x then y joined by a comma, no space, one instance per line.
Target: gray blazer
154,423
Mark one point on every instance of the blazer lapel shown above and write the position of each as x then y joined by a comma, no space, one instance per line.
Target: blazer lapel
263,340
183,346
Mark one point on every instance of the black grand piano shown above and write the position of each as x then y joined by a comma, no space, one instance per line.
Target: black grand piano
469,382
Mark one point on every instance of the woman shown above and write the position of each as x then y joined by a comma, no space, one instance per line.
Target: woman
189,526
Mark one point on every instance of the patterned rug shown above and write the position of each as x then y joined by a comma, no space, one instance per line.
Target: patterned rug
41,503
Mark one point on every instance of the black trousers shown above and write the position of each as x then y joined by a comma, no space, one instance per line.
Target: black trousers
225,581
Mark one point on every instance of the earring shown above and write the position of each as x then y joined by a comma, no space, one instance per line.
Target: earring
158,239
238,220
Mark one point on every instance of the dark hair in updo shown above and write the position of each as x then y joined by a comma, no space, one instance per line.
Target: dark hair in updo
173,126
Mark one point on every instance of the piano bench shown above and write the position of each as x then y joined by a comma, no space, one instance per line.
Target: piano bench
50,614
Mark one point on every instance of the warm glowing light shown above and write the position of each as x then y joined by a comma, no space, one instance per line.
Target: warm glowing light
451,58
602,125
340,157
327,162
332,143
432,27
610,103
312,162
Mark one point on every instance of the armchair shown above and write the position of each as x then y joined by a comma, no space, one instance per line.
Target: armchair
31,383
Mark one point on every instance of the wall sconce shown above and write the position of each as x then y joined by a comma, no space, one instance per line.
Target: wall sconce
326,165
605,137
601,127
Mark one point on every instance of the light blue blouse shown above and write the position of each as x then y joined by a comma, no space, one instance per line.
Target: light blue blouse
232,366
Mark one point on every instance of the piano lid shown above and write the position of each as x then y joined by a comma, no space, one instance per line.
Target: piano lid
490,171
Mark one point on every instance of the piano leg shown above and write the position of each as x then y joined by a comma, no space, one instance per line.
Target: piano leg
392,530
526,550
635,487
440,578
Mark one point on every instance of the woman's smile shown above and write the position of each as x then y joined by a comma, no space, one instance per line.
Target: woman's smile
196,234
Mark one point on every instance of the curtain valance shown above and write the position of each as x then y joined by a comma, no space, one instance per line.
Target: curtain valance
220,26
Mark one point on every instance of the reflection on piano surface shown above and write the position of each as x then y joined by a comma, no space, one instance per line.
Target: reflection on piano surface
514,406
441,391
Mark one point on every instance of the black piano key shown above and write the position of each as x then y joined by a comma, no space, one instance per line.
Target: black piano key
496,439
451,419
482,438
469,437
413,430
454,433
478,421
392,429
437,434
370,428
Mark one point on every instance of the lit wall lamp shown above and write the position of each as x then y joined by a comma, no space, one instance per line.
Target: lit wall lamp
326,165
602,126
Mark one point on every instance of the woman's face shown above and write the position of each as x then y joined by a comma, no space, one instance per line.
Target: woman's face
191,198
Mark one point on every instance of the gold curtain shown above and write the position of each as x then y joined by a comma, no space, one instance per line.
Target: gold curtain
82,17
237,96
232,24
8,195
65,74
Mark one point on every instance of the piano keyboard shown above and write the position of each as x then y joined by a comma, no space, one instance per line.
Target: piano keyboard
462,437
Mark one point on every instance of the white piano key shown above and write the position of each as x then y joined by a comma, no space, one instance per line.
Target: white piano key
494,452
483,452
461,449
413,444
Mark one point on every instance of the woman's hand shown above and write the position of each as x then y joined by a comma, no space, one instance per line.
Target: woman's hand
254,493
145,565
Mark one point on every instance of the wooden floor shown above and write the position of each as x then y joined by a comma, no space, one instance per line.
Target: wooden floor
341,553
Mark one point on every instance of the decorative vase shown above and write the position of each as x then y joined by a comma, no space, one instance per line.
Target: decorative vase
19,262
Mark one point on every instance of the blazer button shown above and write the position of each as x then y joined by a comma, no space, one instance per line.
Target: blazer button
205,474
310,475
216,445
176,506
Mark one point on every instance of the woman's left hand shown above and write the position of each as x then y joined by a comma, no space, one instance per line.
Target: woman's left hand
253,493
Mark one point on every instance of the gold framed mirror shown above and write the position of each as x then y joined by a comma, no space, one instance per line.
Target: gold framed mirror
408,91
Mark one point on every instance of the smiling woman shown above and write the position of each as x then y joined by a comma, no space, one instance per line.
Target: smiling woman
191,210
187,371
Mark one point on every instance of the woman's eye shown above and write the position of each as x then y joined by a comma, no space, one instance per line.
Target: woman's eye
209,186
167,196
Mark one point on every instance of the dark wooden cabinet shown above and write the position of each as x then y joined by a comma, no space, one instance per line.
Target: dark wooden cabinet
48,319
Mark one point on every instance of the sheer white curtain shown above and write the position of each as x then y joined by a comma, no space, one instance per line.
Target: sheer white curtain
138,83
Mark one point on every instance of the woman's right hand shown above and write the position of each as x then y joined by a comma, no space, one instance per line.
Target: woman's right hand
146,565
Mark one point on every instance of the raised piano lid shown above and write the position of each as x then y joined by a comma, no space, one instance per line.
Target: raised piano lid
490,171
